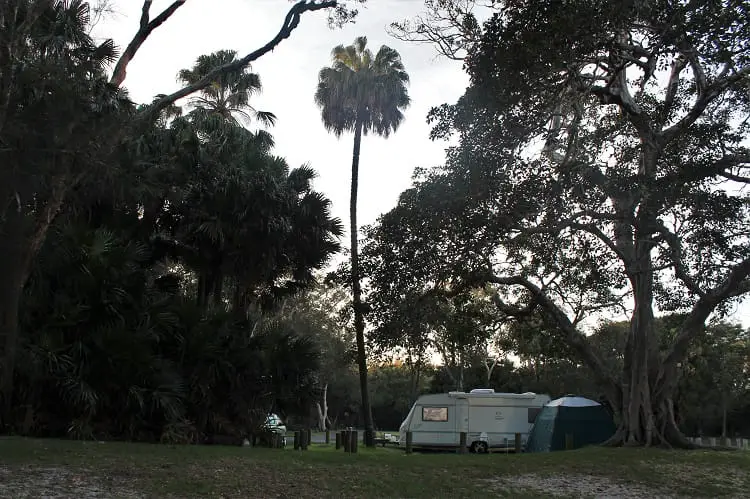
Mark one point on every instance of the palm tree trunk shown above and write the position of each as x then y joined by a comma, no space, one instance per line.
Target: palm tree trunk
359,320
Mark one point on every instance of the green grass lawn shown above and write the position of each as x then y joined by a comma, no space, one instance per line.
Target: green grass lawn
54,468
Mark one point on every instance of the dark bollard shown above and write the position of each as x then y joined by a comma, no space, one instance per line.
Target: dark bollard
568,441
354,442
462,442
303,440
409,442
297,438
338,440
518,443
328,437
309,436
345,440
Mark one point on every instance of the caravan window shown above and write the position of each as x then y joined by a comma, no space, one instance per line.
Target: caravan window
434,414
533,413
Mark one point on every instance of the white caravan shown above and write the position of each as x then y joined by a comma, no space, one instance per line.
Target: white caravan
490,419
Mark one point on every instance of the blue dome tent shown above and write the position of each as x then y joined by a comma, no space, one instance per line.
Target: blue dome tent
587,422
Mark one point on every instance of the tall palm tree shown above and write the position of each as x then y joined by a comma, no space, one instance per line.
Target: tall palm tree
362,93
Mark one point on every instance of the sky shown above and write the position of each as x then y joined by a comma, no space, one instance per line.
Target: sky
289,78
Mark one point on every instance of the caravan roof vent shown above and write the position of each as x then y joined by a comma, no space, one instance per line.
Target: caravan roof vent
482,390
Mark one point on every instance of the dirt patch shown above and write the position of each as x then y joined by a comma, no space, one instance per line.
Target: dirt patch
577,486
59,483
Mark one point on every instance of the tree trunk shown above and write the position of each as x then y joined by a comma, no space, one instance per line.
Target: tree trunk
638,423
323,410
359,320
490,369
646,417
724,417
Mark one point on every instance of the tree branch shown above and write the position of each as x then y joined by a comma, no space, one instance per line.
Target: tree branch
599,234
291,21
710,93
735,284
145,13
701,83
676,259
678,65
736,178
572,223
146,27
574,337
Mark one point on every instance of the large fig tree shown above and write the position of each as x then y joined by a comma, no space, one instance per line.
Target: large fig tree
600,168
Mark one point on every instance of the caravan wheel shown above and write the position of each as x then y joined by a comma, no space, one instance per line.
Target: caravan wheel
479,447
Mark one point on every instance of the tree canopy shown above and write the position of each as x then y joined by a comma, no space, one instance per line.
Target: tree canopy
146,259
599,171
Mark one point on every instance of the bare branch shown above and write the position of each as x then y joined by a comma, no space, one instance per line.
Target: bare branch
145,14
291,21
145,29
99,9
445,25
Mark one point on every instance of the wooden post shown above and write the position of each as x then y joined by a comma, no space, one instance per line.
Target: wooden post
303,438
328,436
296,440
568,441
409,437
462,437
338,440
309,435
345,440
518,443
354,442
